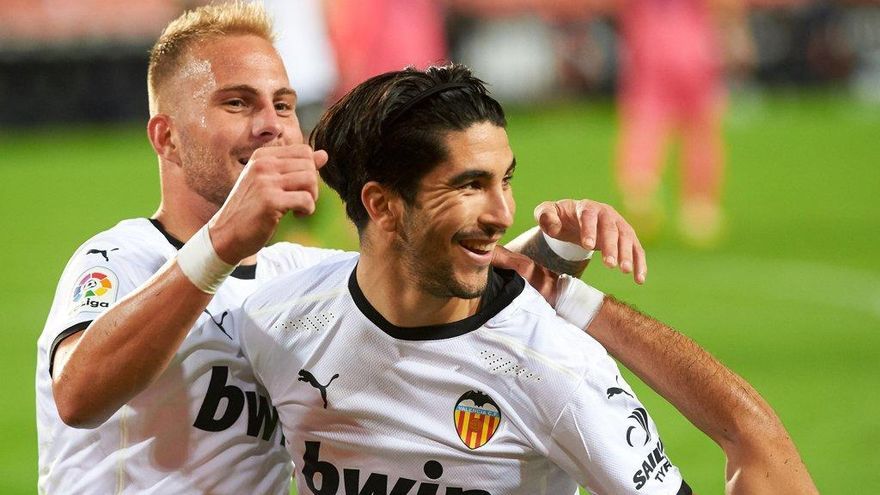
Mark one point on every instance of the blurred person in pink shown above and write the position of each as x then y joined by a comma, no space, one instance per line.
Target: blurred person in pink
671,85
375,36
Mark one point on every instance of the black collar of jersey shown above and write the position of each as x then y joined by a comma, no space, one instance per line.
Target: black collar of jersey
502,289
245,272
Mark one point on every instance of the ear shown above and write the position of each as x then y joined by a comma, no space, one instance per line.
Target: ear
160,131
383,205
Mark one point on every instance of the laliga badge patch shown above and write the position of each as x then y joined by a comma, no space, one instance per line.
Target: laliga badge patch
94,291
477,418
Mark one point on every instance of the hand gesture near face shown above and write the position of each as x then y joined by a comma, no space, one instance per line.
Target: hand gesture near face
276,179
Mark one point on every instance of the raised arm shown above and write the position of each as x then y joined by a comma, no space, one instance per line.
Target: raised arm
97,370
761,457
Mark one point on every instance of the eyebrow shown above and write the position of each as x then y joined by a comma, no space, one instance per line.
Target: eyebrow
246,88
469,175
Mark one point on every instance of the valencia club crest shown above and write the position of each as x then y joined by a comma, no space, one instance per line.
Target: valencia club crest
477,418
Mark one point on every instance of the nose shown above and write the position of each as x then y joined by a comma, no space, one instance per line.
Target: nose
269,126
499,210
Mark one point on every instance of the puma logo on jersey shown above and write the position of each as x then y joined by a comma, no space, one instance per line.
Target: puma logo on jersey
102,252
219,323
617,390
305,376
322,478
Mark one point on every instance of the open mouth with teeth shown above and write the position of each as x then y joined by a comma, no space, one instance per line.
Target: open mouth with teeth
477,246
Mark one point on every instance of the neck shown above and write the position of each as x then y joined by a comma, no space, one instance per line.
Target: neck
393,292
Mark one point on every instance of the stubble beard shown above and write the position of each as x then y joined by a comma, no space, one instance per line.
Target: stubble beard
427,268
205,174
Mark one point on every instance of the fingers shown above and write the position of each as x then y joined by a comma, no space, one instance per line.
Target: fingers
640,263
537,276
508,260
588,217
276,179
548,218
301,203
286,151
608,239
625,251
290,168
598,226
320,158
299,180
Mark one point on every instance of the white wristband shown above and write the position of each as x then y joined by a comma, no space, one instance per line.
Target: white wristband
198,260
577,302
568,251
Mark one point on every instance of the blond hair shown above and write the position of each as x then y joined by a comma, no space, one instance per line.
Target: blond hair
197,25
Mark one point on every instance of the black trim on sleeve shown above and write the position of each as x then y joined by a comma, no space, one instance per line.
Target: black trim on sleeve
244,272
503,287
685,489
78,327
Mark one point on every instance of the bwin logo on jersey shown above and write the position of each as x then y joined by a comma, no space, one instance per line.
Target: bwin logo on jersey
477,418
261,416
322,478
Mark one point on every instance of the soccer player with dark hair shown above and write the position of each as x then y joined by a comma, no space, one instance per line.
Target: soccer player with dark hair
421,367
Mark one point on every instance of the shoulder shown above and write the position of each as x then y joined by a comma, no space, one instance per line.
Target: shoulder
542,345
130,249
283,316
128,240
296,287
103,269
287,256
531,319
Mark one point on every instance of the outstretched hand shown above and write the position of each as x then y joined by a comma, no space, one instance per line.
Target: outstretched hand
594,225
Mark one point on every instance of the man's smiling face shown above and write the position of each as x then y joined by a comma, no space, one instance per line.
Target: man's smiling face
462,208
231,97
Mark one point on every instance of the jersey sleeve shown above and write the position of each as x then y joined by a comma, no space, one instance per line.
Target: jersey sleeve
608,442
98,275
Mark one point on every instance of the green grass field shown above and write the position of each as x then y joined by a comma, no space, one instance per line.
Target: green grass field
791,300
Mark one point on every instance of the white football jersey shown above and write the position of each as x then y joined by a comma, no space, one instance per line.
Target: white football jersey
205,426
512,400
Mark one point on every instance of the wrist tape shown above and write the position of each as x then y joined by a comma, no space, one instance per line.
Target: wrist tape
577,302
198,260
568,251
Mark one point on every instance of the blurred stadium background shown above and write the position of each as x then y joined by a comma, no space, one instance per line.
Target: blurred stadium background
790,299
